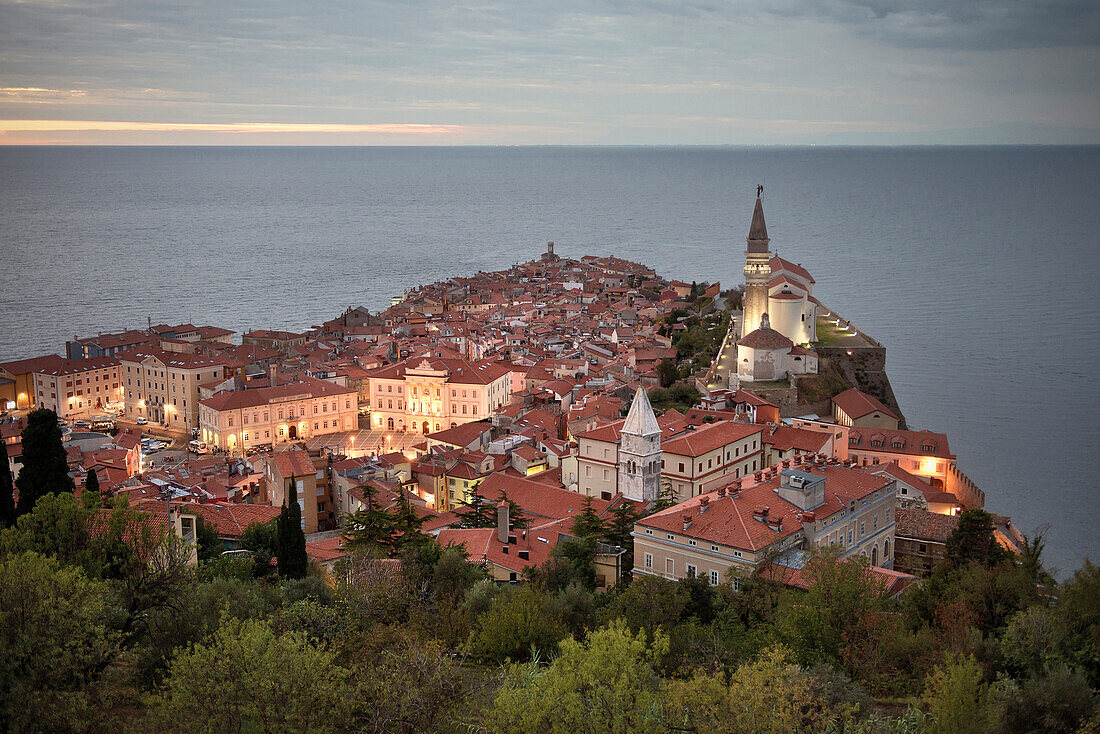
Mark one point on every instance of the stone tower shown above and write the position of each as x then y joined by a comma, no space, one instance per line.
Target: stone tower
757,270
640,452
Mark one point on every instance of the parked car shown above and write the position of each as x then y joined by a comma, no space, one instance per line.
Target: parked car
83,424
140,420
198,447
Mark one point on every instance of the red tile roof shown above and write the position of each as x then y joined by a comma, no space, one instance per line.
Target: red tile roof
857,404
293,463
308,388
730,520
710,437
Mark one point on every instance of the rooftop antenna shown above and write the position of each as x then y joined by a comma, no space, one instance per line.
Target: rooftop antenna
759,190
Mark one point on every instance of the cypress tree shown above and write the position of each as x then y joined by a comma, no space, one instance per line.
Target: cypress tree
291,541
92,495
7,490
45,466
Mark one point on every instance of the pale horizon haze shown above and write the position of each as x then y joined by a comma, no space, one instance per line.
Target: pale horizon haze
607,72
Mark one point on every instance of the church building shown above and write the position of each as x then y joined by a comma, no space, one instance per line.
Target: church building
776,287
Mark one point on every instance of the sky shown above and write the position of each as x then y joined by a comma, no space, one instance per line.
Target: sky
603,72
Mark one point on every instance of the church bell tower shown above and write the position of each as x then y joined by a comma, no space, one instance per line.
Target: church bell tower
757,269
640,451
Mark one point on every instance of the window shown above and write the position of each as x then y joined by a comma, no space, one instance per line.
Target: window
737,554
670,566
736,583
648,531
670,536
713,578
862,528
691,571
714,548
649,560
691,543
681,467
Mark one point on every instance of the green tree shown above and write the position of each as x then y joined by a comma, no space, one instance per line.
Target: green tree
7,490
1059,700
148,565
667,372
371,528
958,699
587,524
518,626
1079,611
290,548
207,538
972,540
57,526
54,642
608,684
650,602
45,465
837,607
261,539
412,686
453,575
770,695
478,512
623,517
91,495
247,678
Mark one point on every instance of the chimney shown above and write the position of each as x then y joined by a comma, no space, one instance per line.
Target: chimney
271,372
722,491
704,503
502,522
687,520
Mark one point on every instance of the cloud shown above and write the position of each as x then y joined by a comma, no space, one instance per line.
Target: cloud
231,127
958,24
575,69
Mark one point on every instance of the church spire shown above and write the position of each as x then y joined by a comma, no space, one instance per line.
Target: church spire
641,421
758,231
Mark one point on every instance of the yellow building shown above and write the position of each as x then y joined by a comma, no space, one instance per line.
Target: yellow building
428,394
78,387
163,386
265,416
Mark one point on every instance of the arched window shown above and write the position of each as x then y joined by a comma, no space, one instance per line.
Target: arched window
886,551
874,556
389,423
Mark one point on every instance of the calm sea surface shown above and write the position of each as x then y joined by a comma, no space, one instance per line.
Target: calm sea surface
976,267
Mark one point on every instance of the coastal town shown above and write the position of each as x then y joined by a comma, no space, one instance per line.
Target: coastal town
738,429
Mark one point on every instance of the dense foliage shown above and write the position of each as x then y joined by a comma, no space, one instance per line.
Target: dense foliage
105,627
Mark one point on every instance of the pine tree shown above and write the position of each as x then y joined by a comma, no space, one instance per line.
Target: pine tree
291,541
7,490
623,517
477,514
45,466
588,524
371,526
92,496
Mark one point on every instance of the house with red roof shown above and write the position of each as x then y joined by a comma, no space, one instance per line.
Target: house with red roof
856,408
730,531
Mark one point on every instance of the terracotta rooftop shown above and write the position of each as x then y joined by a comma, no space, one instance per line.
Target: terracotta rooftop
924,525
709,437
857,404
